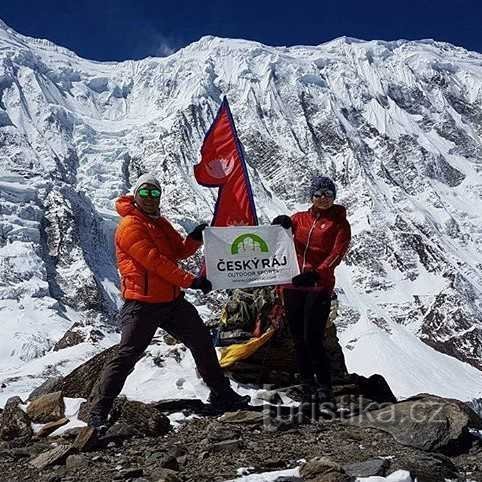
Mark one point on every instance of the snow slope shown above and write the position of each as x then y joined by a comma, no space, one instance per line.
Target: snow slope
398,125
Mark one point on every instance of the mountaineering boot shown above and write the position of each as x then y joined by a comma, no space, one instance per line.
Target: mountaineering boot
309,406
227,400
325,399
98,420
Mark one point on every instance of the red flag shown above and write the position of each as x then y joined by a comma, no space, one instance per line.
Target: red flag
222,165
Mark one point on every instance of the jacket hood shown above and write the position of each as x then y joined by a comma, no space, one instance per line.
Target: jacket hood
125,205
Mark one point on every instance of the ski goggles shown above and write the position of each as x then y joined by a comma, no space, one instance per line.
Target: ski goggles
155,193
324,193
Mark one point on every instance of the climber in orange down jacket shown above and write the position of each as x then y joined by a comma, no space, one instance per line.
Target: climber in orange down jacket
147,249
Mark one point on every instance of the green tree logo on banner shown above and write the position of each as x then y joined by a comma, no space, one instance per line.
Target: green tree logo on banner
248,244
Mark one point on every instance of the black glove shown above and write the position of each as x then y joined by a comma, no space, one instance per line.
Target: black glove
283,220
197,232
203,284
308,278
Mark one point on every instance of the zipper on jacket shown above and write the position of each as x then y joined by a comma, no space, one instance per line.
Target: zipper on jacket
308,243
146,283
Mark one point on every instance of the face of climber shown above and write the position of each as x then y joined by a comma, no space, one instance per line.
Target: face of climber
147,198
323,199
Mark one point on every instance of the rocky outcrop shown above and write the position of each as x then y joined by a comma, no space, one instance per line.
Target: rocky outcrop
80,382
47,408
16,424
427,422
323,470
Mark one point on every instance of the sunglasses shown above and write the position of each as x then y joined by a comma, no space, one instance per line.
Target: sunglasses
324,193
155,193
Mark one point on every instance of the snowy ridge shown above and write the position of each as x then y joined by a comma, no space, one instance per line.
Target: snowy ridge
396,124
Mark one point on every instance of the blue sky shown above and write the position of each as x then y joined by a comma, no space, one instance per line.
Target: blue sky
133,29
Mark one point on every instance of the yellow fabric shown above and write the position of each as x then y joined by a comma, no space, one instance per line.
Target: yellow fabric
241,351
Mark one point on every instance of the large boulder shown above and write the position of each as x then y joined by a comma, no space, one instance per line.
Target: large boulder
146,418
322,469
16,424
47,408
426,422
50,385
80,382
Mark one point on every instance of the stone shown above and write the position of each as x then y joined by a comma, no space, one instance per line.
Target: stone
75,461
243,417
322,469
50,385
131,473
120,431
228,445
20,452
71,337
164,475
368,468
51,427
47,408
270,396
218,434
86,440
146,418
52,457
80,382
16,424
425,422
169,462
432,468
71,433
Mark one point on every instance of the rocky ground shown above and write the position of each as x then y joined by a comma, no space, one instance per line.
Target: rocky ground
212,448
372,433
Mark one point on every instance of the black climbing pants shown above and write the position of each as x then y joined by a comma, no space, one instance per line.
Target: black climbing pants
307,312
139,322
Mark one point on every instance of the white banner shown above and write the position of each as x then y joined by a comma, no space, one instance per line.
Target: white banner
249,256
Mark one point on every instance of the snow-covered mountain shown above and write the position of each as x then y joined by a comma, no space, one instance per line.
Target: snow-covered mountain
398,125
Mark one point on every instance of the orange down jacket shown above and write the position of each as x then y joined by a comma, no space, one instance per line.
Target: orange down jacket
147,251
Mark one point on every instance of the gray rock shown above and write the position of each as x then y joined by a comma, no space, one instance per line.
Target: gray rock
289,478
270,396
75,461
49,386
218,434
51,427
52,457
146,418
120,431
71,337
164,475
86,439
20,452
71,433
426,422
131,473
47,408
322,469
169,462
80,382
228,445
432,468
243,417
16,423
367,468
